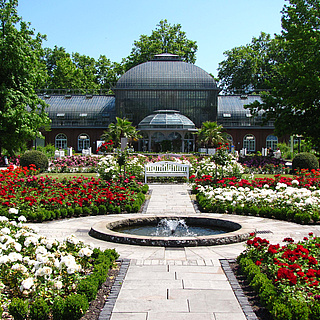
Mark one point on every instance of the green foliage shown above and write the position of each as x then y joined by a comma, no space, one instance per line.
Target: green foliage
305,160
88,287
95,210
166,38
18,308
39,309
210,134
122,128
78,211
22,112
58,308
293,101
35,157
281,311
102,209
75,307
246,68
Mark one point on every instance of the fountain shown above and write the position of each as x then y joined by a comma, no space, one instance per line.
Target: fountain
168,231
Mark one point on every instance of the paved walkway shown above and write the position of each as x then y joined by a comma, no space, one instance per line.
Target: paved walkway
176,283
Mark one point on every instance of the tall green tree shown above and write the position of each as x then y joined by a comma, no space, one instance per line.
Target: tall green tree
293,101
166,38
211,134
247,68
22,112
122,128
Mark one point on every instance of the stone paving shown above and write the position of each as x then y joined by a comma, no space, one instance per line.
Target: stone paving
176,283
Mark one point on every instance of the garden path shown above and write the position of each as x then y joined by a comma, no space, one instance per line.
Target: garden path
175,283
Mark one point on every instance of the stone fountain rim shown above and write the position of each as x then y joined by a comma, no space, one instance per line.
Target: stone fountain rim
103,231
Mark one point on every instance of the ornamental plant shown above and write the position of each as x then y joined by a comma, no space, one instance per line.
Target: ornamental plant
285,274
106,147
36,272
45,198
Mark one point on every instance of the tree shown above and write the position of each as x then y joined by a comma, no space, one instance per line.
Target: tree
293,101
247,68
121,129
22,112
166,38
211,134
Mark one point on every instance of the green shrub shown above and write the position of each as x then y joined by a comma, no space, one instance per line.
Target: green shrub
63,213
302,217
145,188
40,215
102,209
95,210
39,310
77,211
18,308
75,307
315,311
299,309
135,207
280,311
111,208
58,308
305,160
70,212
86,211
57,213
35,157
88,287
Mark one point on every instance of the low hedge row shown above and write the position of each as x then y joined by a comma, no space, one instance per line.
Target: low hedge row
278,305
74,305
301,217
45,215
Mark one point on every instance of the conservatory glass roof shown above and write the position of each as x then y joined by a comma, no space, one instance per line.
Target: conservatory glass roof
166,119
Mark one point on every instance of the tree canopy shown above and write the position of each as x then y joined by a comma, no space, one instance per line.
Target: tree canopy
293,100
247,68
22,112
166,38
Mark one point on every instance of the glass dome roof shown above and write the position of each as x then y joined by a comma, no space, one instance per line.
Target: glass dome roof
166,119
166,71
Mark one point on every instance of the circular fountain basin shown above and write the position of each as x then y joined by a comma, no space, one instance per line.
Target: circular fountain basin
109,231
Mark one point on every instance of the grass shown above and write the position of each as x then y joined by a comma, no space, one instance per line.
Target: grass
68,175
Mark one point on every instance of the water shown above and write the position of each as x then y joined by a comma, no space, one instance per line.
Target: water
171,228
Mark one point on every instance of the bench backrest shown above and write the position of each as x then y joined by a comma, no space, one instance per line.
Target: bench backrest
166,166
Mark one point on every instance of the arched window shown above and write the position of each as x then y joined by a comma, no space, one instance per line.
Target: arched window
61,141
83,141
174,136
249,142
272,142
188,142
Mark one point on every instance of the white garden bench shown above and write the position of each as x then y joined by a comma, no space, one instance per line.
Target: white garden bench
165,169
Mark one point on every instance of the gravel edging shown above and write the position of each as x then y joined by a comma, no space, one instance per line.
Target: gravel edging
241,297
106,312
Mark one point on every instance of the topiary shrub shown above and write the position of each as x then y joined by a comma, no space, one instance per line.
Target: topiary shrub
58,308
36,158
75,306
39,310
18,308
305,160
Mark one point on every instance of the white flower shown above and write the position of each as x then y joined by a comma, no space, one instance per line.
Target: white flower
85,252
19,267
3,218
4,259
13,211
5,230
45,271
57,284
295,182
26,284
22,219
14,256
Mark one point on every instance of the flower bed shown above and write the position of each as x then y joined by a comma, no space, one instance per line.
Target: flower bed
42,277
46,198
294,199
286,277
74,164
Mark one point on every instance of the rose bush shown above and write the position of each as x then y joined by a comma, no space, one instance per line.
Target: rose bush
290,275
33,267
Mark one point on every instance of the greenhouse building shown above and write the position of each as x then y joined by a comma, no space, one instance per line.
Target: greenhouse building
167,99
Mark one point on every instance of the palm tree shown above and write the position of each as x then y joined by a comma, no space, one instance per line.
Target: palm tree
122,128
211,134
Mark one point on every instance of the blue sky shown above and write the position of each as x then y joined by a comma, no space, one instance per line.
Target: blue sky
95,27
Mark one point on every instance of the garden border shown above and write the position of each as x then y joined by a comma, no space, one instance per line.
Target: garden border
106,312
241,297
